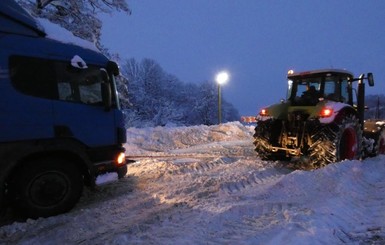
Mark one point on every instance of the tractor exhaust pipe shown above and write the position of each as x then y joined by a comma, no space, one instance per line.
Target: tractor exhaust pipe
361,96
361,100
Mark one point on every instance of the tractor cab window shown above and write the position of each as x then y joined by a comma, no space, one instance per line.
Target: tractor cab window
331,91
289,89
306,92
308,87
336,89
344,91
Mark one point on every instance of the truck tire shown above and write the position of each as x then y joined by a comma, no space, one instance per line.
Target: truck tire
336,142
46,187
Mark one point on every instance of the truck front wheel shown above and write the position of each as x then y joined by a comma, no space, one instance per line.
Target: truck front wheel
336,142
46,187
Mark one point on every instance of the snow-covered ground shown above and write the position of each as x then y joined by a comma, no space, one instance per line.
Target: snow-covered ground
205,185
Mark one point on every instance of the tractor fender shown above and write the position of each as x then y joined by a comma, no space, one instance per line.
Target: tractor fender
339,110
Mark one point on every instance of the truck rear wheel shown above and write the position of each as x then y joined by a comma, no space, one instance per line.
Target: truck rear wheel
47,187
336,142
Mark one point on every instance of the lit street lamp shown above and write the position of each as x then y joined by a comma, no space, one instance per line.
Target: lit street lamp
221,79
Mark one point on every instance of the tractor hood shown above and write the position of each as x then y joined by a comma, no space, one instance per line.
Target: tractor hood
325,111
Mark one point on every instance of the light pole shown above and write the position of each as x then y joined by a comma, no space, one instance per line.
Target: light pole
221,78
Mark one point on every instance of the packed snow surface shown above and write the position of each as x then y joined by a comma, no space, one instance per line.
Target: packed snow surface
206,185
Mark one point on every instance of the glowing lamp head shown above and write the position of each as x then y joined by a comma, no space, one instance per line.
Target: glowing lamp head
326,112
222,77
290,72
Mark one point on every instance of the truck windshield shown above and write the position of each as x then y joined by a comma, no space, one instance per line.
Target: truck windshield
80,85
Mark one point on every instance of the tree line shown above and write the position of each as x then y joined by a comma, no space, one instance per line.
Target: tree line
156,98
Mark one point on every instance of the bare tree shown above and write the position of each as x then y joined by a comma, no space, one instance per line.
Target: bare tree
77,16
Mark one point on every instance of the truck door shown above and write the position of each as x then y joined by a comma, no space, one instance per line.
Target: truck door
79,111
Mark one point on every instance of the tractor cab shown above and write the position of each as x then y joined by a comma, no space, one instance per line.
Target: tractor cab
308,88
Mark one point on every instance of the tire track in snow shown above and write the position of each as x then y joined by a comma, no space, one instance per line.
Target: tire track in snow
255,178
251,222
185,166
370,230
360,223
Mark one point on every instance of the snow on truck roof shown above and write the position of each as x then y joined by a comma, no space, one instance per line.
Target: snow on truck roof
15,19
291,73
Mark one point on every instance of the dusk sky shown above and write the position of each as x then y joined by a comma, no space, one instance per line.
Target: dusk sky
256,41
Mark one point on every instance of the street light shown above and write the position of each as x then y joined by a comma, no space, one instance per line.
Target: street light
221,78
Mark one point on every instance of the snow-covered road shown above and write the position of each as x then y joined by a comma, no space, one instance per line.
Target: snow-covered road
205,185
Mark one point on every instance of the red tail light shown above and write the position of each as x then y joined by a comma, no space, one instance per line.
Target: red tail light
263,112
326,112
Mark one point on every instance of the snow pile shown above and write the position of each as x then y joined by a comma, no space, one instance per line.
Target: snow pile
205,185
161,139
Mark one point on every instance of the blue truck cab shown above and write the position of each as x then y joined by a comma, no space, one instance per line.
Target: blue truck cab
60,121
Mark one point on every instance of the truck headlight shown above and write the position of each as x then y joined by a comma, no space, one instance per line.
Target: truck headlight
121,158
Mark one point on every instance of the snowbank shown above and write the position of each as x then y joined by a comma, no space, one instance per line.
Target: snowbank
205,185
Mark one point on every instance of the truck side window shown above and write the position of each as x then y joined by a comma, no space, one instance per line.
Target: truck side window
35,77
79,85
58,80
90,89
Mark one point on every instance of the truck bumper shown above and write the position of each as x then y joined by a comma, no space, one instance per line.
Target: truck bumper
109,159
118,165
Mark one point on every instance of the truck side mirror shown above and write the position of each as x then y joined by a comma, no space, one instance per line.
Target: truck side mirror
104,75
370,79
113,68
106,95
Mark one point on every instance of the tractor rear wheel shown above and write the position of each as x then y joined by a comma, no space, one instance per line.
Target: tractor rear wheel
336,142
261,139
267,134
